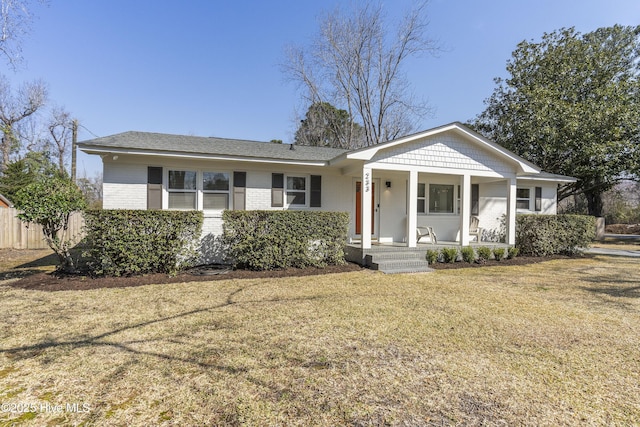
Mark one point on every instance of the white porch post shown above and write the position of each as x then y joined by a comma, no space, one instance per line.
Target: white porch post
365,191
511,211
412,209
465,209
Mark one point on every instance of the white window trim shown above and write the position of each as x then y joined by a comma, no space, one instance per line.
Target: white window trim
307,189
177,190
199,191
529,199
202,191
428,194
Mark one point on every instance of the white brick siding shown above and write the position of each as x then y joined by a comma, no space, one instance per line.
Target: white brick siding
124,186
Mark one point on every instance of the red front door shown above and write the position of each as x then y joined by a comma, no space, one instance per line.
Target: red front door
359,206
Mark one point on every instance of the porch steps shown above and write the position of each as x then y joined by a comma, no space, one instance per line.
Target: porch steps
406,261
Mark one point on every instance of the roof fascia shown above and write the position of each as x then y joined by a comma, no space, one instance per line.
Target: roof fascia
104,151
368,153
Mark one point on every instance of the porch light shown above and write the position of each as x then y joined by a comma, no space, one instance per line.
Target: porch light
388,184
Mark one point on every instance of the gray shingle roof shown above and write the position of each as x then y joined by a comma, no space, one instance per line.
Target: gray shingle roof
159,142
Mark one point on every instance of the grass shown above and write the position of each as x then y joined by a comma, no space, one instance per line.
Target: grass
554,343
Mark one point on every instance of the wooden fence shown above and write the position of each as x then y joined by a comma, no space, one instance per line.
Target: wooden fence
14,234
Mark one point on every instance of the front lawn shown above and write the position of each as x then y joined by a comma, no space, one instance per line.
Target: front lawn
554,343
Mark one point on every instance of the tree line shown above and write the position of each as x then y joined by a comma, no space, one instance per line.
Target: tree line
570,103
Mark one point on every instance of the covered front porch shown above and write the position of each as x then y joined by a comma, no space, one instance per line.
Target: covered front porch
460,209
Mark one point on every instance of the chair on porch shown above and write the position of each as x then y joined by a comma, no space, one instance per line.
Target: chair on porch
426,232
475,229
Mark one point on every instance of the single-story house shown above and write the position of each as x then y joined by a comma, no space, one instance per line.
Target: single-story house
437,178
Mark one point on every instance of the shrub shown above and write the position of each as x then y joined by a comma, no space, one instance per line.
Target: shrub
50,202
484,253
512,252
468,255
449,255
544,235
265,240
498,253
432,256
128,242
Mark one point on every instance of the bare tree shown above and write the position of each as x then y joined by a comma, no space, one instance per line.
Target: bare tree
15,108
355,64
61,129
15,24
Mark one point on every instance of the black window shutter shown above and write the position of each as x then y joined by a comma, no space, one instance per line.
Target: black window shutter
277,190
538,199
475,199
239,191
316,191
154,187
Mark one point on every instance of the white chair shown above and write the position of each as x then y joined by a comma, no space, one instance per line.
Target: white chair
426,232
475,229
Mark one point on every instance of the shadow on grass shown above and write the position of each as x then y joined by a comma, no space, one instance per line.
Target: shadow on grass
50,260
34,350
615,291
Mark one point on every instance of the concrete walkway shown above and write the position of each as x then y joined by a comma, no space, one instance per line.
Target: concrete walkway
617,252
613,252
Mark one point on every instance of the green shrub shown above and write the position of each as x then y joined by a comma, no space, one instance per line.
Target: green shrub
50,202
449,255
128,242
266,240
468,255
512,252
432,256
498,253
544,235
484,253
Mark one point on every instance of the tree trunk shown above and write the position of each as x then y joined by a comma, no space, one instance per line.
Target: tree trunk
594,203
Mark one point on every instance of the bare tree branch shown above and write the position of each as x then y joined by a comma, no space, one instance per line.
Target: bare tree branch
355,64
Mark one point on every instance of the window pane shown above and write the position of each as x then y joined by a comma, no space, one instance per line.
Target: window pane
182,180
296,198
215,201
522,193
420,205
440,198
182,200
421,190
522,204
215,181
296,183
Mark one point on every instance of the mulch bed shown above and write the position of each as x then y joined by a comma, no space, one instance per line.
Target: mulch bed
55,282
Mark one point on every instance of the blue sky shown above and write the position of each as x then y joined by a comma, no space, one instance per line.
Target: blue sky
211,67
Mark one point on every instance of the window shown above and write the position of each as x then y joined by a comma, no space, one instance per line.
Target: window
182,189
422,198
297,190
522,198
215,190
440,198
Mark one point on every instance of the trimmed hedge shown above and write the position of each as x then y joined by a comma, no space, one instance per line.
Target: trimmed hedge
266,240
128,242
544,235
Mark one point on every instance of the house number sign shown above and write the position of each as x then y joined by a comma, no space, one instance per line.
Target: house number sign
367,181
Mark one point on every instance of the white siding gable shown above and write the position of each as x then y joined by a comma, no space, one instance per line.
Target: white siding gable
444,151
